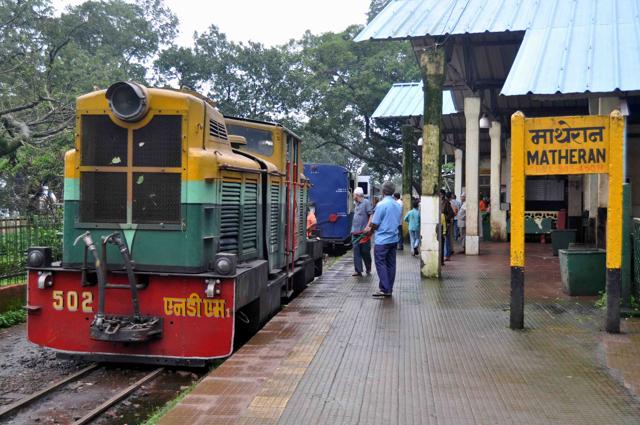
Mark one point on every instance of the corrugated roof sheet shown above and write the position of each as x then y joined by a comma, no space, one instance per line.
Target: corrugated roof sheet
407,100
570,46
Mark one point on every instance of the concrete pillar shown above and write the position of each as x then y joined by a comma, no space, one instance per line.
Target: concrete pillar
432,66
591,194
458,169
472,151
407,146
574,194
498,216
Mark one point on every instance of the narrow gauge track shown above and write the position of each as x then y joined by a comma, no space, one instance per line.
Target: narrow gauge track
44,402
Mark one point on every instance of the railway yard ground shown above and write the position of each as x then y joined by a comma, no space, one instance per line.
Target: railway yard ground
437,352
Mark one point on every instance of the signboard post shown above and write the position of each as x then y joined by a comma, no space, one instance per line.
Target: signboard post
590,144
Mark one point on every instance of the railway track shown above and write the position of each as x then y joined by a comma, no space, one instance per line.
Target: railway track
90,406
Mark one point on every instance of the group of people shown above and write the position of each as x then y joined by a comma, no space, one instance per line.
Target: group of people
452,222
385,221
384,217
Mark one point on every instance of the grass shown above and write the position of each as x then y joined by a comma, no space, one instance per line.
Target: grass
161,411
12,317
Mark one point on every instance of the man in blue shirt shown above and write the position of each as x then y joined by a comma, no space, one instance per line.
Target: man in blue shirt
360,240
387,217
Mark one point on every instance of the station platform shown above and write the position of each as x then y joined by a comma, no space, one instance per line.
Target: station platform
437,352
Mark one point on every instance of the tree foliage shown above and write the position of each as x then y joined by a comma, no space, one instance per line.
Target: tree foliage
323,86
47,60
376,7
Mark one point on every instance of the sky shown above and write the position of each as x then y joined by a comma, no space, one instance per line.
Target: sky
270,22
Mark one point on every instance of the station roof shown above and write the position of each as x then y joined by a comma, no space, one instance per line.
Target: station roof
405,100
578,46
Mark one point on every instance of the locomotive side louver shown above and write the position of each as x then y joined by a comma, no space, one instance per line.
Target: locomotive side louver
230,216
274,217
217,129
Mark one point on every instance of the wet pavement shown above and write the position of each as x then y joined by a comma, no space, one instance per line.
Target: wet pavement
438,352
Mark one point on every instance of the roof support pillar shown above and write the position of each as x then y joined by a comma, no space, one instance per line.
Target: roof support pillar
472,151
458,170
407,172
432,66
498,216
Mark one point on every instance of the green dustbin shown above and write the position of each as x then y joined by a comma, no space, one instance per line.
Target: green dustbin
583,271
560,239
486,226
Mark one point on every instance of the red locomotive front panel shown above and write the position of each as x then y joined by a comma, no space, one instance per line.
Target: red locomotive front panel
194,326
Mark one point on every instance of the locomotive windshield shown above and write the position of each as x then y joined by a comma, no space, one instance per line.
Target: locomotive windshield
258,141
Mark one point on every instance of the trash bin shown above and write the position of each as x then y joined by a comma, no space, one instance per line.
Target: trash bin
560,239
583,271
486,226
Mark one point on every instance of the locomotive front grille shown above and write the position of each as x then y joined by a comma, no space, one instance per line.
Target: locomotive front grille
156,198
103,142
131,176
158,143
103,198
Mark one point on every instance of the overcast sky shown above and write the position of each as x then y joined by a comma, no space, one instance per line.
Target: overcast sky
270,22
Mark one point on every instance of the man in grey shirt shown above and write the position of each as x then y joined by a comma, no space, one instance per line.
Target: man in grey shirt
361,242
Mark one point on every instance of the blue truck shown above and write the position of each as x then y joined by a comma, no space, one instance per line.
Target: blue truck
331,195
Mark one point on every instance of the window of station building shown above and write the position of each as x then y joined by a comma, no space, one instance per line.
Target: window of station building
258,141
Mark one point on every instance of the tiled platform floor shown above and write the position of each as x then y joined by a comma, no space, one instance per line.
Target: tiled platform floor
438,352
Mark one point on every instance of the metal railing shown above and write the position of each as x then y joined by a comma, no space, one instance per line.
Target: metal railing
19,233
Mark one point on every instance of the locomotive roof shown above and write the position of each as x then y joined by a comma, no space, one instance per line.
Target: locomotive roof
269,123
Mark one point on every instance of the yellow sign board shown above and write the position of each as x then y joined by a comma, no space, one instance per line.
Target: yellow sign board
566,145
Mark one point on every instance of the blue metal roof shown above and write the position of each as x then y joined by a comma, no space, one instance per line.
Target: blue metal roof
570,46
407,100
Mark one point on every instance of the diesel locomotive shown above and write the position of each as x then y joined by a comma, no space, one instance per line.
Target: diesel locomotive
181,227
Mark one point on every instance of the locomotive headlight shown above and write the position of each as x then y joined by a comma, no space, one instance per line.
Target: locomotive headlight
128,101
225,263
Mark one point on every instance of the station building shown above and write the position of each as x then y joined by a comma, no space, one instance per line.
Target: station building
541,57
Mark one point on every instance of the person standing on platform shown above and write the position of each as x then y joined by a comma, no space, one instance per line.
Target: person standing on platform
413,218
398,199
387,217
462,219
360,241
446,209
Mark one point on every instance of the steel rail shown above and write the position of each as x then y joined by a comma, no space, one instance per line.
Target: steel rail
116,398
18,404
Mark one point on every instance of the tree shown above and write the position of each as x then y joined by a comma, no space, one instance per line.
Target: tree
346,83
324,87
46,61
375,8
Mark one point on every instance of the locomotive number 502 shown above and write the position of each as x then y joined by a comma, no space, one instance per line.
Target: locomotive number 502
71,300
